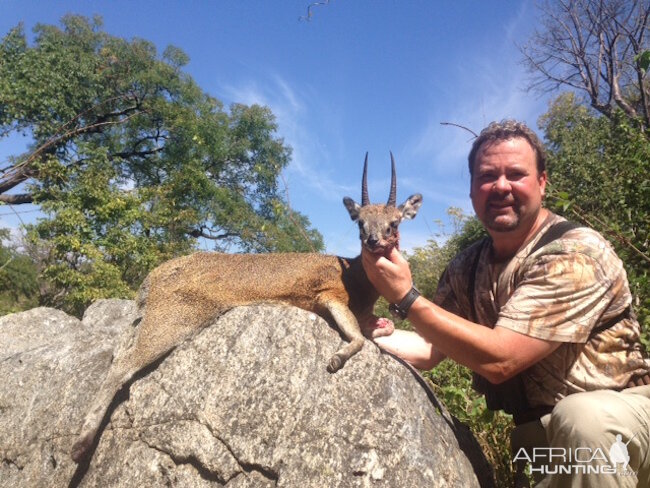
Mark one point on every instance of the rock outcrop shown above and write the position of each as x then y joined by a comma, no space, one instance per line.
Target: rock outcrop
247,402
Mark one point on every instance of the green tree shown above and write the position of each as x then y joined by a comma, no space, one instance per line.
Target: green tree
598,170
598,144
18,279
132,162
428,262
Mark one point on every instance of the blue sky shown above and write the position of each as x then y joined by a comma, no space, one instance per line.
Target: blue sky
361,75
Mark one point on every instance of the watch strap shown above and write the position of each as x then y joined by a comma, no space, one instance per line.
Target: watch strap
402,308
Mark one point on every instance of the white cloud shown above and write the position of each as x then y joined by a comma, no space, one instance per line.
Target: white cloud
483,91
500,97
292,113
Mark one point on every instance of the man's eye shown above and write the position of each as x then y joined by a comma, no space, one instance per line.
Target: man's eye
486,178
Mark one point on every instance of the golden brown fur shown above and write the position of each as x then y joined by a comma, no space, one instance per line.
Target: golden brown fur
183,295
204,285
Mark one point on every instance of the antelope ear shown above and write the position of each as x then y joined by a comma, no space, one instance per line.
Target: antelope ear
353,208
411,206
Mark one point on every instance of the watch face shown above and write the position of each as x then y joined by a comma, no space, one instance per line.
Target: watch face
395,311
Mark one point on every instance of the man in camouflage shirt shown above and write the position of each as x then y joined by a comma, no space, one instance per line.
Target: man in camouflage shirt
545,324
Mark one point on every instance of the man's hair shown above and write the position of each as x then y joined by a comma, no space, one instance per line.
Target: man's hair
503,131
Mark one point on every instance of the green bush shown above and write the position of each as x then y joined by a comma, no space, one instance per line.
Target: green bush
453,385
18,280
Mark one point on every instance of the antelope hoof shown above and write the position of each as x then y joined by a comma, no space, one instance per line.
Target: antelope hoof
336,362
80,448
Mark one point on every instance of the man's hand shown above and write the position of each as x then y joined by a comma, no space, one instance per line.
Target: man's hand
389,274
377,327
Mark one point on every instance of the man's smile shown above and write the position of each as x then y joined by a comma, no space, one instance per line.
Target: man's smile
501,204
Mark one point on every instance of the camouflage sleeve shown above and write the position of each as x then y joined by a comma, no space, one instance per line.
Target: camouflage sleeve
560,297
454,282
445,296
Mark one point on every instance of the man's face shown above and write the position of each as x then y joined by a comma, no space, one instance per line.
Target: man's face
506,190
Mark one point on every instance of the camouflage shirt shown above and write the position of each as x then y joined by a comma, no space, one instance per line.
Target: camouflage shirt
561,292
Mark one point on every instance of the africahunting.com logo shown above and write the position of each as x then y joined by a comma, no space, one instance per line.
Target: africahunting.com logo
579,460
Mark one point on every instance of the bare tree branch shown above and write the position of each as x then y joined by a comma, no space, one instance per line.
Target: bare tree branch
300,228
461,127
17,199
590,46
139,154
206,233
310,7
23,170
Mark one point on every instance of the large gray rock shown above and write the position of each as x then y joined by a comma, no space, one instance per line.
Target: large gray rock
247,402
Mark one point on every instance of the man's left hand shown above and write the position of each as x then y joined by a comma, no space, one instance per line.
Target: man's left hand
389,274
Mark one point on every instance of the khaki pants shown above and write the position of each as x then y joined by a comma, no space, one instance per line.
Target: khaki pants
593,439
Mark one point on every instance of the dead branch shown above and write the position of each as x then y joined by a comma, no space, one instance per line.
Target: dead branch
310,7
461,127
590,46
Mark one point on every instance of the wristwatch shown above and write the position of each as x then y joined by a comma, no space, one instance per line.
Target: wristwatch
401,310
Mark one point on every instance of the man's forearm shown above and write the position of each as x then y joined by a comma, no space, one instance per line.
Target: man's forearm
497,353
453,335
412,348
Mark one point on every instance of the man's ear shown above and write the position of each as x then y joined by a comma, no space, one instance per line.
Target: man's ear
353,208
411,206
543,179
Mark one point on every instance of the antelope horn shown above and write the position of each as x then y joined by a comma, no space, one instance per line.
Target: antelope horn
393,183
364,184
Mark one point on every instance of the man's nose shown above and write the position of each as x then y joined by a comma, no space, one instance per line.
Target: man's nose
502,184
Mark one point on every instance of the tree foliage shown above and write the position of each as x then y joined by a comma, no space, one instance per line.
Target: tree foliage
132,162
598,169
595,47
18,278
428,262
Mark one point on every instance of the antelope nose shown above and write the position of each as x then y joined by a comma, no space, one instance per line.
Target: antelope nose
372,241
